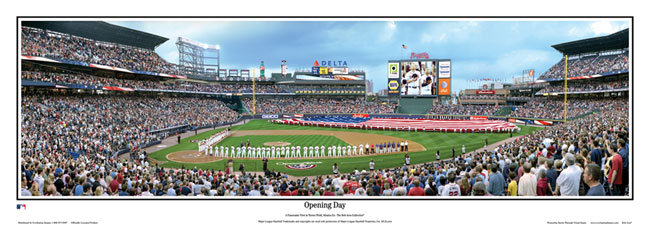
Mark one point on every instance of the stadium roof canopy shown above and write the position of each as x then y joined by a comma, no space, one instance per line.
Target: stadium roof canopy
101,31
618,40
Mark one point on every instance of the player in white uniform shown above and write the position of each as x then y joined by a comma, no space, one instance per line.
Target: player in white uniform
293,151
329,151
354,150
305,151
463,149
226,153
258,153
426,84
322,150
338,151
273,152
210,149
361,149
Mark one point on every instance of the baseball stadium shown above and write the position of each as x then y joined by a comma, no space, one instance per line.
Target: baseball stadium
102,114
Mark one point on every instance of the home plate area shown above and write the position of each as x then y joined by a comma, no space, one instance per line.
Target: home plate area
397,124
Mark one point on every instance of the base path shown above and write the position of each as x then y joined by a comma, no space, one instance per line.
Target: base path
352,138
191,156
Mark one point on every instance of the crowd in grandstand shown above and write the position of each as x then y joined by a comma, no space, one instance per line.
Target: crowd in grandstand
37,42
519,98
86,79
55,124
589,65
595,86
317,105
554,108
464,109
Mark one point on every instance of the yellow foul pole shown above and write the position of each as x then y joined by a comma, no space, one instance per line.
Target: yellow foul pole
253,91
565,84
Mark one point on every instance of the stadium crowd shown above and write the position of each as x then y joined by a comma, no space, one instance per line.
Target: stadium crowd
589,65
554,108
317,105
592,86
37,42
519,98
56,124
464,109
87,79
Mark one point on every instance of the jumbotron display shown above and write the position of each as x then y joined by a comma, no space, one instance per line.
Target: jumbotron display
419,77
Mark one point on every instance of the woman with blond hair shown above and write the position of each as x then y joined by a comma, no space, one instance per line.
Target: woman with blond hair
465,186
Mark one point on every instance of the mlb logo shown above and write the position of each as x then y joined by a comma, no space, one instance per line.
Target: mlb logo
18,206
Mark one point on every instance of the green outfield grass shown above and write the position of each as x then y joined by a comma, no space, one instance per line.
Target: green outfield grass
432,141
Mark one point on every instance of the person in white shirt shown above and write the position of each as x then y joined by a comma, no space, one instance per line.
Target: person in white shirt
349,150
568,182
367,148
322,150
354,150
329,151
221,153
406,146
361,149
338,151
226,154
463,149
273,152
210,154
305,151
316,153
258,154
298,149
293,152
451,188
311,151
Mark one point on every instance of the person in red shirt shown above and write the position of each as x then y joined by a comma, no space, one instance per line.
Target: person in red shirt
352,185
614,177
543,187
330,192
416,190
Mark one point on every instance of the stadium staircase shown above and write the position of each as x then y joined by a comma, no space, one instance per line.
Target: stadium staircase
503,111
415,105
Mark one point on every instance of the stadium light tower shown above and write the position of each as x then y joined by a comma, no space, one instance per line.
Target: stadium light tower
198,59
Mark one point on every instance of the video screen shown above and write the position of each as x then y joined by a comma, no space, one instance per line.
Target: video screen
418,78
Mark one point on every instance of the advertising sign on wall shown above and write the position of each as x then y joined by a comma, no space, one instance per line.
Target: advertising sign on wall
393,87
393,70
445,69
444,86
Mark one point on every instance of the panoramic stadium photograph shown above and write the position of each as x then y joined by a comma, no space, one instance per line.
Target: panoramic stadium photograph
321,108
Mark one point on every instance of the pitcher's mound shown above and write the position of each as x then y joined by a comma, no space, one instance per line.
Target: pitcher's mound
277,143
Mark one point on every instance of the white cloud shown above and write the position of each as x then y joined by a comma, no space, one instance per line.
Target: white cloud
457,31
392,25
606,27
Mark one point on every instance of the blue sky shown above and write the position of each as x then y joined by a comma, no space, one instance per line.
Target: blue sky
478,49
